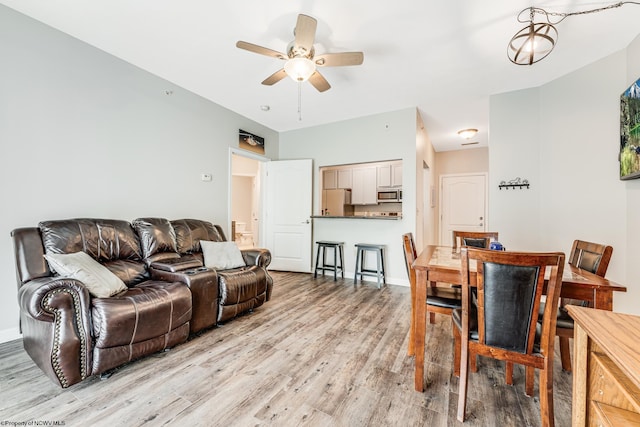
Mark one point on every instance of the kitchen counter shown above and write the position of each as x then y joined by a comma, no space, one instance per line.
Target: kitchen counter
393,218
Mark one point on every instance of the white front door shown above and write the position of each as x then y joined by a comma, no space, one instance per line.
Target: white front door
463,205
288,190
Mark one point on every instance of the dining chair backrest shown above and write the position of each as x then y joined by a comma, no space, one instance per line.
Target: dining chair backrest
439,300
593,257
509,288
410,255
477,239
507,308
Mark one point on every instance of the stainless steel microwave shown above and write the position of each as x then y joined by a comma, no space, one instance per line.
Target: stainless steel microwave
389,196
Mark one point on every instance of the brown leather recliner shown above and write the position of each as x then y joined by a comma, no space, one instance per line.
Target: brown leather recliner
70,334
172,250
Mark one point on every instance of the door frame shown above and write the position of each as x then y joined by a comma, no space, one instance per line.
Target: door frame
253,156
441,197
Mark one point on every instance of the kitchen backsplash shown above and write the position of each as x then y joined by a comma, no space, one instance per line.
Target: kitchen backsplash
376,210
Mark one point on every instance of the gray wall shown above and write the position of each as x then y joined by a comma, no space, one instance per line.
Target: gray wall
513,153
84,134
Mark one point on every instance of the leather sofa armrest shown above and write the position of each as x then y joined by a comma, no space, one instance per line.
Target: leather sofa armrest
56,327
183,276
203,284
39,297
257,256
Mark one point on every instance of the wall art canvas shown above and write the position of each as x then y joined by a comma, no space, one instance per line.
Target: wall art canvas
251,142
630,132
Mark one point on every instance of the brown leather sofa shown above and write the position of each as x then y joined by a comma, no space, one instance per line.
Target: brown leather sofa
72,335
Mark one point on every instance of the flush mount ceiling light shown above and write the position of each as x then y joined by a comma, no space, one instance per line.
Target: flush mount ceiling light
535,41
467,133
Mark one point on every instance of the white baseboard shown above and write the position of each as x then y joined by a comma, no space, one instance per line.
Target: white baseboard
7,335
349,275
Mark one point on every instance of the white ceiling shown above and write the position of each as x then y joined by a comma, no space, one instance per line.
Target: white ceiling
445,57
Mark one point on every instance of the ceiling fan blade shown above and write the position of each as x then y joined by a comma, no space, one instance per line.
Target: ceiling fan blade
319,82
339,59
305,33
275,77
261,50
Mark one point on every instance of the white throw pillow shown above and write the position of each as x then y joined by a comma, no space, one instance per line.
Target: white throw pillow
221,255
96,277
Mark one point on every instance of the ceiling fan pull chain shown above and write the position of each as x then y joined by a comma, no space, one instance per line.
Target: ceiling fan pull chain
299,101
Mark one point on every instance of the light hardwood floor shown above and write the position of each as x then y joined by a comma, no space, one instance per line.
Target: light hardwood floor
320,353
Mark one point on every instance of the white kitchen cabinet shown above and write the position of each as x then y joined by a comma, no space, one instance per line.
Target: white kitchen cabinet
396,174
329,179
389,174
345,178
364,190
384,175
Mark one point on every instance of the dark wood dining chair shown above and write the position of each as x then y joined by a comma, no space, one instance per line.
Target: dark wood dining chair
594,258
440,300
477,239
503,324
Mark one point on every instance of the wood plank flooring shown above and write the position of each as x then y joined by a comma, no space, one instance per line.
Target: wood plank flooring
320,353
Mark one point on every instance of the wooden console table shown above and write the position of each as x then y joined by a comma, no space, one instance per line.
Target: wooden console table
606,374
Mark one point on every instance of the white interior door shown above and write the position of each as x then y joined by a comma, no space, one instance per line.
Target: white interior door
288,190
463,204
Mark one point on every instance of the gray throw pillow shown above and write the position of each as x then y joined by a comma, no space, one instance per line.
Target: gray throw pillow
221,255
96,277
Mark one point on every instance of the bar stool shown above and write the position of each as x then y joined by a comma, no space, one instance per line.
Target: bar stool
361,270
337,247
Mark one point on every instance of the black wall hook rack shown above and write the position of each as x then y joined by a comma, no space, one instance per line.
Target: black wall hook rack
514,183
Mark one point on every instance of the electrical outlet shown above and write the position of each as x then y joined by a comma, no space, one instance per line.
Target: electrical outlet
205,177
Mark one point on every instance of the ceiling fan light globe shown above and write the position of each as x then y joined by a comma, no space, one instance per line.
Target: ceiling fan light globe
300,69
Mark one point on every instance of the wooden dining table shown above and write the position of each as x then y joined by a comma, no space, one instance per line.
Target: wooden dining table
441,264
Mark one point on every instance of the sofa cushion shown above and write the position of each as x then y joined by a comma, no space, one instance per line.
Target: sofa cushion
156,236
148,310
189,233
130,272
241,290
80,266
221,255
103,239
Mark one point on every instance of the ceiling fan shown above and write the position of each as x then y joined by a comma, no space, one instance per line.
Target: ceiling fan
301,58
